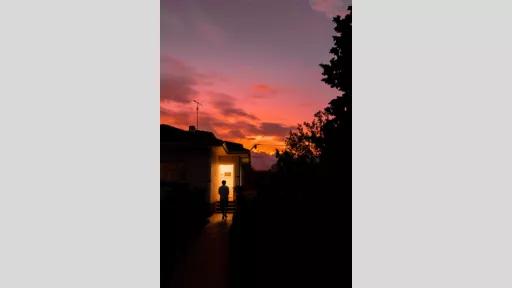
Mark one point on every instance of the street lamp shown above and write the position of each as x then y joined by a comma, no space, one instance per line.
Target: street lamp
265,144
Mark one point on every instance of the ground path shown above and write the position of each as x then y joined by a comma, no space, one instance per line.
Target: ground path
206,263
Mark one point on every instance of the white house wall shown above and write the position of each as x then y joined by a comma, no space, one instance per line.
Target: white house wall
219,156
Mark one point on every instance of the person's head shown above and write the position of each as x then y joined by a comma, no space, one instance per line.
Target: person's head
223,182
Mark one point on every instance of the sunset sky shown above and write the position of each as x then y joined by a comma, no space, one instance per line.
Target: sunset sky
252,63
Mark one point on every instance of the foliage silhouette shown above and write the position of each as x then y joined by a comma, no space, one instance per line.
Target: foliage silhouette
307,141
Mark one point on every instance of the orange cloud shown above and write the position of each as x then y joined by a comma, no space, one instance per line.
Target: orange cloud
228,117
263,91
269,135
263,88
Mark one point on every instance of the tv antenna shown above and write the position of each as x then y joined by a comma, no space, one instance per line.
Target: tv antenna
197,113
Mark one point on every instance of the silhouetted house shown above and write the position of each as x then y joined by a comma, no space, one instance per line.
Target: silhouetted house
201,160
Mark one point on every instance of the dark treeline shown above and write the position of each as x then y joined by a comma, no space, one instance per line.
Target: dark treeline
298,230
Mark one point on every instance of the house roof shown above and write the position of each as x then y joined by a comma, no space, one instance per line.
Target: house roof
175,135
232,147
170,134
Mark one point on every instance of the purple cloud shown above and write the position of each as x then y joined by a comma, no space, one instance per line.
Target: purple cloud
226,105
274,129
262,161
177,80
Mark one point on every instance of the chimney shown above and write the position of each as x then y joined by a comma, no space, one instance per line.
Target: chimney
191,128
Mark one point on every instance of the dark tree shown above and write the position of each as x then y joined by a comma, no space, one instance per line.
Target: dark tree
307,141
327,181
336,157
338,74
328,138
309,195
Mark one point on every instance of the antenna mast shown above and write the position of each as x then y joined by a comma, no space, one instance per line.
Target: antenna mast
197,113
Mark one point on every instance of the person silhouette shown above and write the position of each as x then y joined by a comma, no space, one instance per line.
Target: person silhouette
224,193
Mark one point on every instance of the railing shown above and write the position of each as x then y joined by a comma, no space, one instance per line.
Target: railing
231,207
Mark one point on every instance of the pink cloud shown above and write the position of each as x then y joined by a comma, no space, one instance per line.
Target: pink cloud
213,34
331,8
177,89
181,83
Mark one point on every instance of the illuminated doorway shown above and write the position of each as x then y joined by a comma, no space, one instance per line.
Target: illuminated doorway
227,172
